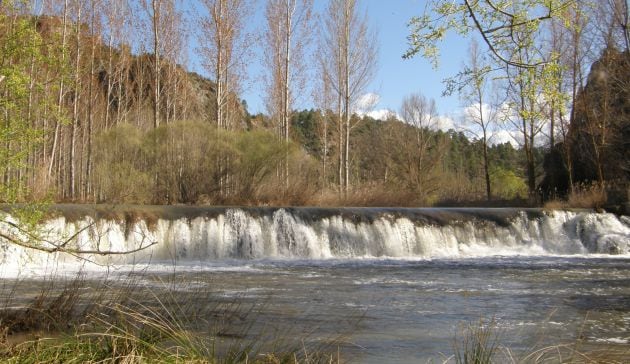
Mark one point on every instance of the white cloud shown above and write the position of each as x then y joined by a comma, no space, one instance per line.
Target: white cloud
439,122
472,112
365,106
366,102
497,133
382,114
504,136
444,123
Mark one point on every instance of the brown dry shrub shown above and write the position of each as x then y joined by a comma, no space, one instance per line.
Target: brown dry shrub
41,187
593,196
555,204
587,197
373,195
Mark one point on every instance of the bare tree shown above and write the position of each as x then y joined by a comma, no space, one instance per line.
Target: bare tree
568,39
116,20
325,100
94,39
523,109
480,113
78,4
61,93
349,52
614,22
154,9
224,48
415,148
599,123
329,90
288,28
174,38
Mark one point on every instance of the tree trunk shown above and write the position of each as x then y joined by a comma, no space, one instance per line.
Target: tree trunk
108,95
75,109
91,111
287,87
346,95
61,88
156,49
486,167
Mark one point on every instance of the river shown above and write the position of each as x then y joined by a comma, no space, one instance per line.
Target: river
394,285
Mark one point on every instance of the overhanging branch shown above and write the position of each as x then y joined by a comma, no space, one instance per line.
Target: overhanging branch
61,248
513,23
36,242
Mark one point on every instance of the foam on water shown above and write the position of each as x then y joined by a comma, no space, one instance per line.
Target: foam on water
283,234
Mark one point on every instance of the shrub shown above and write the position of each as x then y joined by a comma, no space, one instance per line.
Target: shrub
583,196
478,344
507,185
194,162
119,171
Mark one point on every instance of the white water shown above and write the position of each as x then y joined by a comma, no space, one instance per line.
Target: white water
280,234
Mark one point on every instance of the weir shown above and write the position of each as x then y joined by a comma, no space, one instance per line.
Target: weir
210,234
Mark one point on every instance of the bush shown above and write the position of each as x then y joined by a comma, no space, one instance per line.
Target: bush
507,185
194,162
584,196
191,160
119,172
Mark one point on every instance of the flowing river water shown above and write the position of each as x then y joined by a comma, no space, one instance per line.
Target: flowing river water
393,285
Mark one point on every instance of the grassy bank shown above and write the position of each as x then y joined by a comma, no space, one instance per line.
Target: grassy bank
123,321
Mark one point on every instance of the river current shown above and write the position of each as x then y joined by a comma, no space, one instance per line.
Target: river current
402,311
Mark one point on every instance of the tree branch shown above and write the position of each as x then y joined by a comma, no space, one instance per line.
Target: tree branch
485,32
60,248
62,245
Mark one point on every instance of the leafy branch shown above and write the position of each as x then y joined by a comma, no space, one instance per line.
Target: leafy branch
500,25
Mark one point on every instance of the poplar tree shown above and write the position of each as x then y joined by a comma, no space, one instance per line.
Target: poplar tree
288,23
348,54
224,48
473,86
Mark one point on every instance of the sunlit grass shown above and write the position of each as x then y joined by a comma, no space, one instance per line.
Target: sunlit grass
480,343
95,322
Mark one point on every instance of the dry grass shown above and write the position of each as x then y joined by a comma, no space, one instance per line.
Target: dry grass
590,197
479,343
122,321
587,197
369,196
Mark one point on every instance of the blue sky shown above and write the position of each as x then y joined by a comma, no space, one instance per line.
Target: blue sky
395,77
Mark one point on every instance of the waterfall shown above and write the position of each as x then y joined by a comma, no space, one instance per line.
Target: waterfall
316,233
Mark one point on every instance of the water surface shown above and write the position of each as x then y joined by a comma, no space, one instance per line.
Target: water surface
401,311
